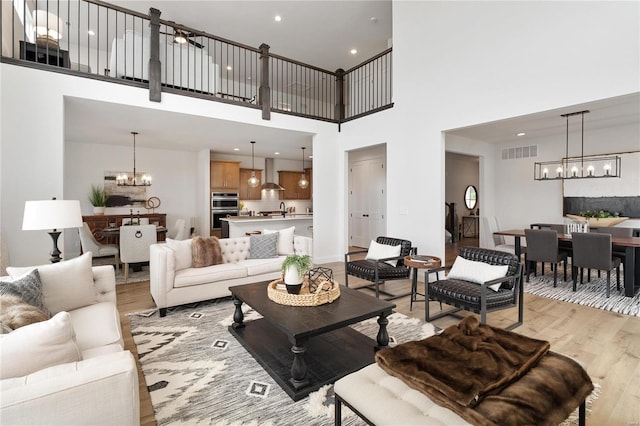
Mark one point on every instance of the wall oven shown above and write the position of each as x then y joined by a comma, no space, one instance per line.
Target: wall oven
223,205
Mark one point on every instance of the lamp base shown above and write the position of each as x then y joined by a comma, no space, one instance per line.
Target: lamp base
55,252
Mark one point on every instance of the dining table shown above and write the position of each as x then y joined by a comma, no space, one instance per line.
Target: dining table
631,246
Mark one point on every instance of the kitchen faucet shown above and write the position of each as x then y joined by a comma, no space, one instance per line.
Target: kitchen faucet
283,209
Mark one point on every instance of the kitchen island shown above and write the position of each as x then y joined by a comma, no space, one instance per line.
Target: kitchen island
239,226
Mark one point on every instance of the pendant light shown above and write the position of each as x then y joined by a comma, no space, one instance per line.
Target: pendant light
303,182
124,180
578,167
253,180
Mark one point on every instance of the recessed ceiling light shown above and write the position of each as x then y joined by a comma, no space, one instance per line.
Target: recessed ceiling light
520,134
91,33
354,51
236,149
276,153
249,78
277,18
373,20
229,68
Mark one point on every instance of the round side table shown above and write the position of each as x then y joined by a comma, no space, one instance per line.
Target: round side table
420,262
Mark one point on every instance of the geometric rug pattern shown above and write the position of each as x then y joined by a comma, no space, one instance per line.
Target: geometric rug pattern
198,374
592,293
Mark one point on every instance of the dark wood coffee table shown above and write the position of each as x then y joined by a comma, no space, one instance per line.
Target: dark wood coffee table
304,348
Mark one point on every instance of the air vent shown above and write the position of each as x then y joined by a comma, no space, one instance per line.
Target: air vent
520,152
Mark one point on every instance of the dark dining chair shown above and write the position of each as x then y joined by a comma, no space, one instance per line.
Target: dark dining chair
617,231
542,246
593,250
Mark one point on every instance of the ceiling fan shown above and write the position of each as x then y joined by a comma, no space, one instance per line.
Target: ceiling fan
182,37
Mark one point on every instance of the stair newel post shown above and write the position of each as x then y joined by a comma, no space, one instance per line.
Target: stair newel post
155,68
265,91
339,107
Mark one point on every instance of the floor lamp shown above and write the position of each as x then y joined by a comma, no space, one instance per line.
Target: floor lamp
52,214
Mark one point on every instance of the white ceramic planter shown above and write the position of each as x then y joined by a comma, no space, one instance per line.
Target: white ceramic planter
98,211
292,276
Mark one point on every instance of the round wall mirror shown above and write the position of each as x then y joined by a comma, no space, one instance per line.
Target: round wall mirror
471,197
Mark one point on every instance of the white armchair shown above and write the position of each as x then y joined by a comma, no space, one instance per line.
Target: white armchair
90,244
134,244
179,230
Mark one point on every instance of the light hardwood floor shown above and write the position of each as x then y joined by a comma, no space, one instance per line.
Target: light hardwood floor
607,343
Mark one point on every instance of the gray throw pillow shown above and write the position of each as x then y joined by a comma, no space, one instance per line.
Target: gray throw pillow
27,287
263,246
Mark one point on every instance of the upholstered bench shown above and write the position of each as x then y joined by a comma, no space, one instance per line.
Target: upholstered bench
469,373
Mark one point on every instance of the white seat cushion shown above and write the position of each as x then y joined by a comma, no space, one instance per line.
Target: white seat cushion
387,400
263,266
209,274
96,326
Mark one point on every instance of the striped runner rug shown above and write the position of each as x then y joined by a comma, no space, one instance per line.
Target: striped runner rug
198,374
591,293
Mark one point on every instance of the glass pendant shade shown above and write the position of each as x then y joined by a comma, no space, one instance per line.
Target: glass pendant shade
303,182
253,181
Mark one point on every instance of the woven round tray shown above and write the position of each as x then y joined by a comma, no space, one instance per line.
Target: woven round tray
326,292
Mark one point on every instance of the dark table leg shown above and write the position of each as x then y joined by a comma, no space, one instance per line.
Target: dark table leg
414,287
238,316
299,367
383,336
518,248
631,270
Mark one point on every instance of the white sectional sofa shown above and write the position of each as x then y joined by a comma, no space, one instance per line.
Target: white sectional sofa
71,369
173,284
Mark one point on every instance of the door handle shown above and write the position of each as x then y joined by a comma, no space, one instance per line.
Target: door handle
365,215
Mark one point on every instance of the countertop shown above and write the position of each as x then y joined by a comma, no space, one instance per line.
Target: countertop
248,219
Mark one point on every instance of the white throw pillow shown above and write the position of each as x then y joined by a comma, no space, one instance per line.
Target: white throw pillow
382,251
66,285
285,240
182,250
477,272
37,346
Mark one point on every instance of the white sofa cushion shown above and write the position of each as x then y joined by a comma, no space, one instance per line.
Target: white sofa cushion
182,252
65,285
285,240
477,272
263,266
209,274
97,326
37,346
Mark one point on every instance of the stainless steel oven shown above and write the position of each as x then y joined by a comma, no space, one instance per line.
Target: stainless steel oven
225,200
223,204
220,214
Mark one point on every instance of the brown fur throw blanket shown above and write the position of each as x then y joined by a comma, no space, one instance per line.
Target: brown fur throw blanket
206,252
16,313
469,367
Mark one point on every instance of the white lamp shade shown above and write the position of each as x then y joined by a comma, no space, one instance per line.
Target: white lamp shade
51,214
47,24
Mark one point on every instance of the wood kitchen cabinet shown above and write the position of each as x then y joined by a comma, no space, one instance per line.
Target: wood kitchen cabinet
289,180
225,176
247,192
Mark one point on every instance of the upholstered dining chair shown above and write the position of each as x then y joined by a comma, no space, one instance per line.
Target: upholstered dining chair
593,250
178,231
617,231
379,270
496,242
134,244
542,246
89,244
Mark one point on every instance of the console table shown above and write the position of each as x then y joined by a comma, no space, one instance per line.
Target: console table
44,55
99,222
470,226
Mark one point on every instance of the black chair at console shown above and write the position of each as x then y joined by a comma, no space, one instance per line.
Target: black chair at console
475,297
379,271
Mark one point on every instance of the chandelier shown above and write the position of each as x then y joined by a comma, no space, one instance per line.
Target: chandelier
124,180
253,180
303,182
578,167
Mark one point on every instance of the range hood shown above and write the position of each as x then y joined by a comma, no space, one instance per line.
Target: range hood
268,176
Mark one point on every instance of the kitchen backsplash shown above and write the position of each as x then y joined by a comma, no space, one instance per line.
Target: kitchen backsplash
269,203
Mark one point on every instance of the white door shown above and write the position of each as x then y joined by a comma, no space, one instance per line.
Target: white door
367,201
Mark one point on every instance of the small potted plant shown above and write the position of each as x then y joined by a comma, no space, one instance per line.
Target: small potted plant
293,269
98,199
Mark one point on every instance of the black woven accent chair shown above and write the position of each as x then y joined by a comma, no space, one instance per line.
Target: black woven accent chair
378,271
478,298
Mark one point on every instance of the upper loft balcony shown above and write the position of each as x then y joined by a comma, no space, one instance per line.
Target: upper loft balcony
93,39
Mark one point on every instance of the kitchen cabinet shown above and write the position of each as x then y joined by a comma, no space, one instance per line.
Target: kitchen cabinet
247,192
225,175
289,180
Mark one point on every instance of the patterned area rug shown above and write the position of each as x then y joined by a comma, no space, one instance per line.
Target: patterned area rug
198,374
592,293
134,276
